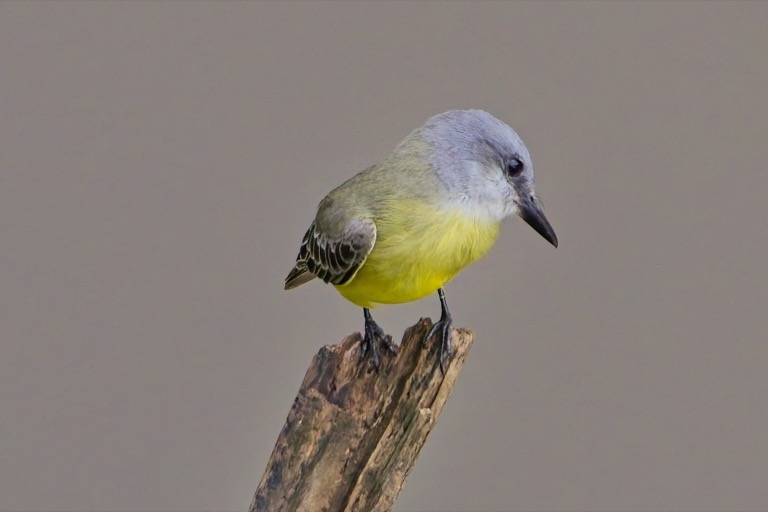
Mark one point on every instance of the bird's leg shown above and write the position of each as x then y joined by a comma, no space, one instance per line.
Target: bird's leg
374,333
444,326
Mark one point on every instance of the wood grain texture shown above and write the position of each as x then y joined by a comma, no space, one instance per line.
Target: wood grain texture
353,434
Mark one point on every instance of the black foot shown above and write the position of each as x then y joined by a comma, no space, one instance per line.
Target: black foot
443,326
374,334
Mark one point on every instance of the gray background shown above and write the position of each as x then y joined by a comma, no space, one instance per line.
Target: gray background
160,162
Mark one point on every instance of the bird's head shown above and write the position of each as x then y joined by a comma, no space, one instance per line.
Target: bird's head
484,166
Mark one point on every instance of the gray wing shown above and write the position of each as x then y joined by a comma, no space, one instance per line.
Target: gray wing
334,259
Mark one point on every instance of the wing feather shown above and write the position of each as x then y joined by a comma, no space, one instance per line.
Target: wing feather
335,260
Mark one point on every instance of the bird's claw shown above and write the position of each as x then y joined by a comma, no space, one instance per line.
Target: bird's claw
443,326
373,335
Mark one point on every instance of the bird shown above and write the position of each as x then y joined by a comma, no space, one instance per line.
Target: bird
404,227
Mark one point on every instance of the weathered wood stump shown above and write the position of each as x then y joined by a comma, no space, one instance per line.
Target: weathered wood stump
353,434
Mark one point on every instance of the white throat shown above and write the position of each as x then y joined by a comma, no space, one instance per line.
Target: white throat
484,195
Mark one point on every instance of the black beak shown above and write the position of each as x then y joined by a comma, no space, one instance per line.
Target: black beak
530,211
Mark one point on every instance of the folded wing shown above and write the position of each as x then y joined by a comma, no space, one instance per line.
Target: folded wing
334,259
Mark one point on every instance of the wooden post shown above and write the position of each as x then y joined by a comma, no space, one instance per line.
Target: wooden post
353,435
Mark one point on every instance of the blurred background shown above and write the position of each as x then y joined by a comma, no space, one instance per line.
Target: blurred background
160,162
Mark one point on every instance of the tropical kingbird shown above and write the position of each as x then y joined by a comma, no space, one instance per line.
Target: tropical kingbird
402,228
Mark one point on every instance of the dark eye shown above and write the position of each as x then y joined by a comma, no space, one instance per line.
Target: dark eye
515,167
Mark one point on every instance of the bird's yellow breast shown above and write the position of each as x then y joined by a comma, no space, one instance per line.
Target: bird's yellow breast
418,249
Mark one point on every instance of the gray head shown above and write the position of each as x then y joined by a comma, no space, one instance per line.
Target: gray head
484,165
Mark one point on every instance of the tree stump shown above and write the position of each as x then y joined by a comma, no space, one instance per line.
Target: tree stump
353,434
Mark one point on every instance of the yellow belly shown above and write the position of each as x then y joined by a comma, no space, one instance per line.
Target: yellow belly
417,251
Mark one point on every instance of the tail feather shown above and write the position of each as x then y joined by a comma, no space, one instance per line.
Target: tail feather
299,275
